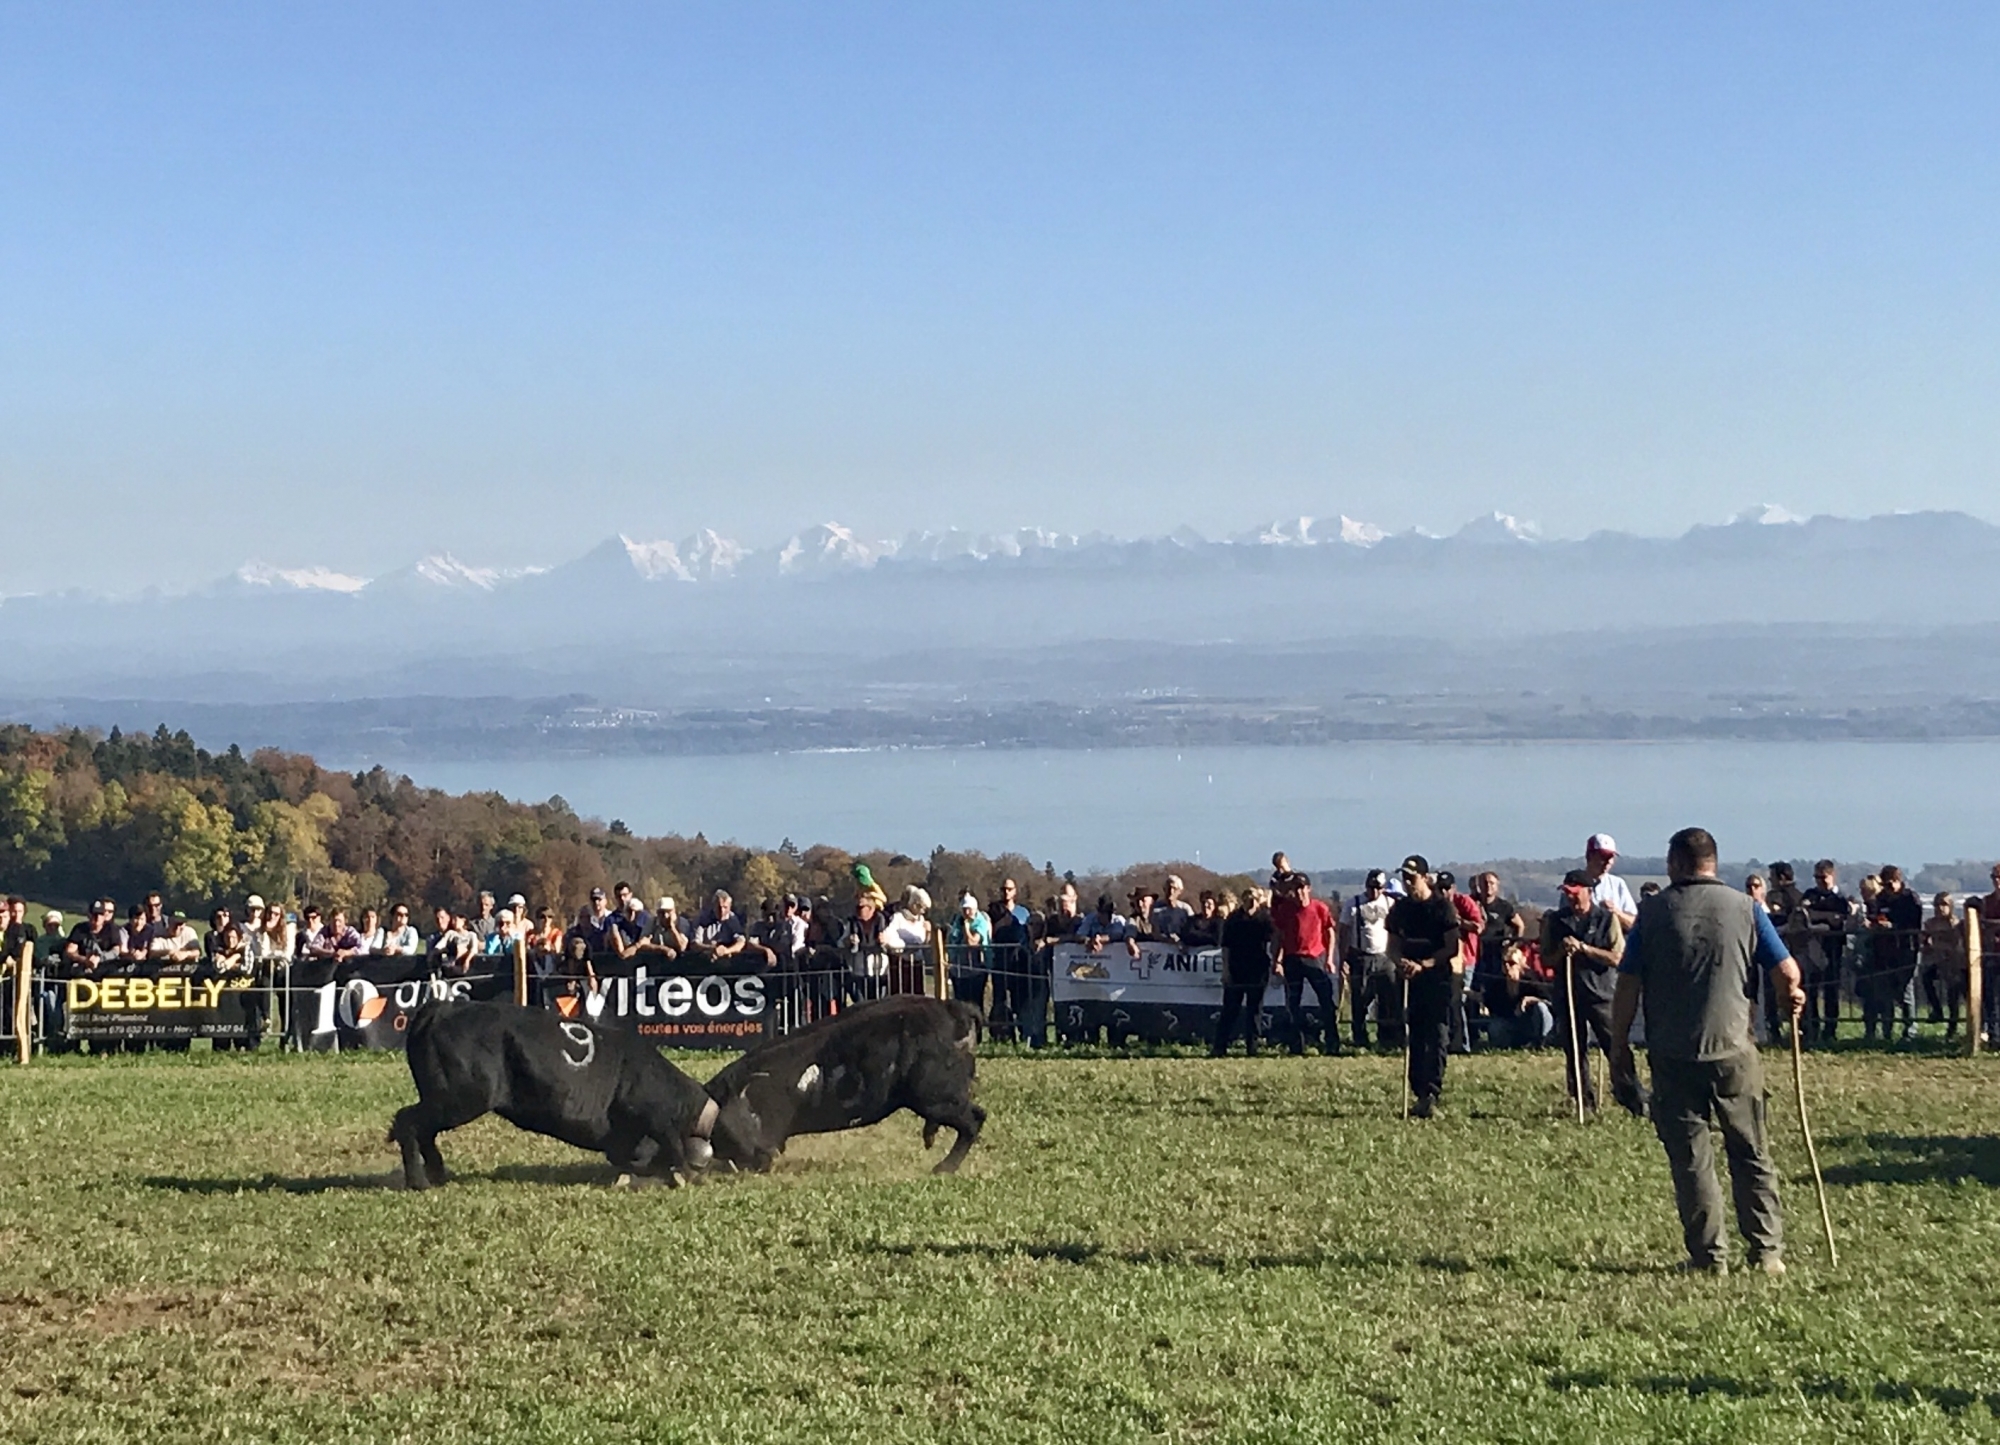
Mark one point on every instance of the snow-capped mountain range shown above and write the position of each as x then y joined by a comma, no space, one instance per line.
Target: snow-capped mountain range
708,556
665,609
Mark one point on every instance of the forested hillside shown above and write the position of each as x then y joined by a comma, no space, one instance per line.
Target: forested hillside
83,815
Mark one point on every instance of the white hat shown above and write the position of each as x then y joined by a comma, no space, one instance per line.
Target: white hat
54,915
517,901
666,905
253,901
1600,843
969,902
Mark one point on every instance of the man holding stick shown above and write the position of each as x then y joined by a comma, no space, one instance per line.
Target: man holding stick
1690,959
1423,945
1583,942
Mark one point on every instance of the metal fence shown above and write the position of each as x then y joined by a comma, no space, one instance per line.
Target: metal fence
1874,980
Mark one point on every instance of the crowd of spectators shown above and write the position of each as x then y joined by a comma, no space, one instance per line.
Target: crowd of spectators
1522,976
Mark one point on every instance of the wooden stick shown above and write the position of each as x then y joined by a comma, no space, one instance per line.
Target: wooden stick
521,972
1576,1064
938,963
1812,1154
1975,982
23,980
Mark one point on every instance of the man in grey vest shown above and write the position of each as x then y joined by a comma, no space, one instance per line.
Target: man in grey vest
1692,960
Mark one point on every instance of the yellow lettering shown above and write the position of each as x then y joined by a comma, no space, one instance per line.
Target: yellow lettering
82,994
111,994
167,993
211,993
138,994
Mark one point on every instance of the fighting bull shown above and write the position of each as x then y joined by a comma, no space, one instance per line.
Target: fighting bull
854,1069
600,1089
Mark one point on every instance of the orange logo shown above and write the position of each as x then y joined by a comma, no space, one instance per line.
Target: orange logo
566,1005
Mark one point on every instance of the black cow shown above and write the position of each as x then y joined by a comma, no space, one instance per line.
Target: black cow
602,1089
854,1069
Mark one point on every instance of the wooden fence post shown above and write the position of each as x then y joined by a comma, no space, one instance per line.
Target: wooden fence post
1975,984
937,961
521,972
24,975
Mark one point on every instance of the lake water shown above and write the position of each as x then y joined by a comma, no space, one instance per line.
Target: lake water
1350,805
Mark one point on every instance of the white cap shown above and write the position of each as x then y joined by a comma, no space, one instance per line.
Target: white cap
1600,843
54,915
253,901
969,902
666,905
517,901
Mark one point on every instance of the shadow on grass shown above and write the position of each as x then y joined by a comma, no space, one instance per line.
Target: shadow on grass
541,1174
1087,1252
1949,1398
1923,1159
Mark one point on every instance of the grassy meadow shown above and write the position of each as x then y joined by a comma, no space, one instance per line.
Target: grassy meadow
210,1248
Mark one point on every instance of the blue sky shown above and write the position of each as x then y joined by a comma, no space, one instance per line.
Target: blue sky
352,283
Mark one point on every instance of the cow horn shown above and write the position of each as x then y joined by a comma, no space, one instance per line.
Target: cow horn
710,1111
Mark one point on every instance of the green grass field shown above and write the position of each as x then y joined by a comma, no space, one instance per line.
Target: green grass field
1150,1248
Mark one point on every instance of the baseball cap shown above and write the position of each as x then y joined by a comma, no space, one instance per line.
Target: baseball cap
1300,880
595,894
1577,878
666,905
1376,879
968,901
1601,843
255,900
54,915
517,901
1446,878
1416,863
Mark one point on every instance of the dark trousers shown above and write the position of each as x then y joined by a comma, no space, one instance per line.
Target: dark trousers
1593,1016
968,985
1300,972
1989,999
1687,1095
1430,1029
1244,1000
1027,984
1822,1017
1371,980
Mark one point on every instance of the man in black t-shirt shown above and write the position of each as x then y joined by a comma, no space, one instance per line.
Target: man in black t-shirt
1246,972
1826,911
1423,944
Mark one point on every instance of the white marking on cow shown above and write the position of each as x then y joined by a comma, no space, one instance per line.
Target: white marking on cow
705,1125
583,1038
808,1078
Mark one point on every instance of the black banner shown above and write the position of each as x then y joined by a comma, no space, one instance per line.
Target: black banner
676,1003
180,1001
366,1003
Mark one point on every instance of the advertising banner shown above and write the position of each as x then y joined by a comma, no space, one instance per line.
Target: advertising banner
174,1003
1167,994
677,1003
366,1003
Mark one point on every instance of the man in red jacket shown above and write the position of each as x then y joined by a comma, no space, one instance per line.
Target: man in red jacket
1304,929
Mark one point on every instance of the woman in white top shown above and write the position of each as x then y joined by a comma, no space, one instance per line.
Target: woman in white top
906,937
374,936
268,950
400,938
